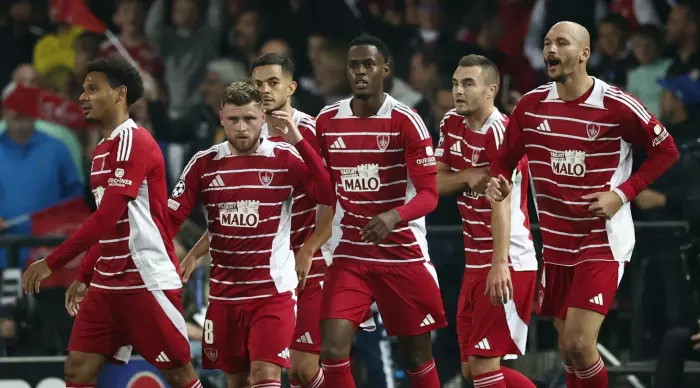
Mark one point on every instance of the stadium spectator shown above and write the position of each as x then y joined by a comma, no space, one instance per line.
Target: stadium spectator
36,172
186,47
683,34
247,36
611,59
423,72
56,48
647,47
17,38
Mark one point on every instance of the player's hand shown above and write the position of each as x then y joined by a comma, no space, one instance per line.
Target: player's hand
289,130
604,204
304,258
188,265
32,277
498,189
380,226
477,179
74,295
499,286
647,199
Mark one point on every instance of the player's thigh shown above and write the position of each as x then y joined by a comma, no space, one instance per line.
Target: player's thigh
95,332
271,330
408,297
307,333
464,317
553,290
152,322
224,338
346,293
594,285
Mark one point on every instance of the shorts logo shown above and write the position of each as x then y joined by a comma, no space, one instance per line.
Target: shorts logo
284,354
383,141
592,129
363,178
569,163
211,354
266,177
179,189
241,214
475,156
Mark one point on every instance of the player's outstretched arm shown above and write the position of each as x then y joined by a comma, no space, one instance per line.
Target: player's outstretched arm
499,285
452,182
194,257
111,208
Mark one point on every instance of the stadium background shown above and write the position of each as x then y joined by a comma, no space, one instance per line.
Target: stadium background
191,48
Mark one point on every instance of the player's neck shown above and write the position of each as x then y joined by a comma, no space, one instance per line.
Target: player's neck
575,86
271,130
367,107
110,124
236,152
476,120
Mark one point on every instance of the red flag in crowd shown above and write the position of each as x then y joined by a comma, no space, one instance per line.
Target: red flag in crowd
75,12
59,220
45,105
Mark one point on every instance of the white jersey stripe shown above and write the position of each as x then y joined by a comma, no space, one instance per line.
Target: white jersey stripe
415,119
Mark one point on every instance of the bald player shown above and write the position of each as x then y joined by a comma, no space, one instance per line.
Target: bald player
578,133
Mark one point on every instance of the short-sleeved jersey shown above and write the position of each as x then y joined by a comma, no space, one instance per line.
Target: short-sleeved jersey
372,161
461,148
574,148
304,209
248,202
138,252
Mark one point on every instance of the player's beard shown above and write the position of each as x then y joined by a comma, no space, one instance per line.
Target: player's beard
247,147
277,107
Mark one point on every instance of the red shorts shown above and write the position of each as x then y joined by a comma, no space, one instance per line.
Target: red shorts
307,334
236,334
151,321
408,295
590,285
494,331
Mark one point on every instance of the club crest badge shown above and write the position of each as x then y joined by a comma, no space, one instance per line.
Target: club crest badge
266,177
383,141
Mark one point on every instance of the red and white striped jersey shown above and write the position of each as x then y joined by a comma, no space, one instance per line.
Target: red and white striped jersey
248,202
138,253
304,209
461,148
372,161
575,148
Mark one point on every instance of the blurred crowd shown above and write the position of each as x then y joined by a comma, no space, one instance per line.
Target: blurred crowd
189,50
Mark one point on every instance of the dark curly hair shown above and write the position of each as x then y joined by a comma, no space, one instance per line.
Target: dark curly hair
120,72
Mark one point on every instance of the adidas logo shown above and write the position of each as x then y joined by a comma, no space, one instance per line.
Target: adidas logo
284,354
544,127
428,320
162,357
483,345
598,299
456,148
305,339
338,143
217,182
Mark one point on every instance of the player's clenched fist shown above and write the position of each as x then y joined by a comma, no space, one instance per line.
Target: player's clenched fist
499,285
380,226
498,189
32,277
74,295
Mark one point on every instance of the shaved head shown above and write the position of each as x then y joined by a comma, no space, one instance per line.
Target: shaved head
576,31
567,47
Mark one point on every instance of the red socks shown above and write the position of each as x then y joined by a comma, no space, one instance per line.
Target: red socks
425,376
571,379
515,379
337,373
490,380
267,384
596,376
317,382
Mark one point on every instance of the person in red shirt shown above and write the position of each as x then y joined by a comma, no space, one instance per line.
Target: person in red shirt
578,133
382,163
249,186
489,325
134,299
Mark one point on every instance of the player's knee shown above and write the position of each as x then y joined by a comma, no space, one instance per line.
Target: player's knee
336,339
466,371
80,368
417,350
481,365
179,377
303,370
261,371
576,347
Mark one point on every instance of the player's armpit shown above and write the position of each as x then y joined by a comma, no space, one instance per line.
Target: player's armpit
424,202
97,225
315,180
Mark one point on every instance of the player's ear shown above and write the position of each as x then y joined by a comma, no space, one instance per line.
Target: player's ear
221,116
585,54
121,93
291,88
